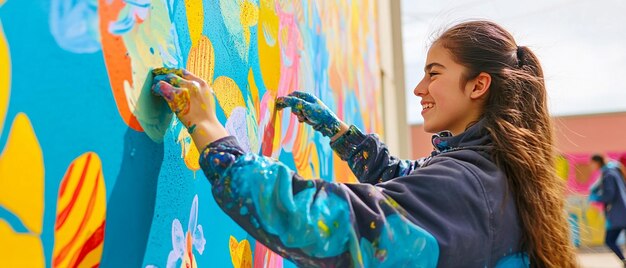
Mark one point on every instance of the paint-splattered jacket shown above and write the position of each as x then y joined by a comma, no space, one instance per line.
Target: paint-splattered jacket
452,209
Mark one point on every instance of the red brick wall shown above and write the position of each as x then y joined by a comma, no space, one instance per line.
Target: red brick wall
600,133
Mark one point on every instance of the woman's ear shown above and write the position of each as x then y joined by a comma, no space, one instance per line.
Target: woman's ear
479,86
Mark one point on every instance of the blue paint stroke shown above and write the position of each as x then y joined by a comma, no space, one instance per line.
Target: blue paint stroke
123,25
401,244
74,25
139,3
14,222
128,16
171,54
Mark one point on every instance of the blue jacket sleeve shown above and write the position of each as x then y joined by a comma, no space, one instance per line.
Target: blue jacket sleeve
314,223
369,158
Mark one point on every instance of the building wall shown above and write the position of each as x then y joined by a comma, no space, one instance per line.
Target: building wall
576,139
601,133
95,170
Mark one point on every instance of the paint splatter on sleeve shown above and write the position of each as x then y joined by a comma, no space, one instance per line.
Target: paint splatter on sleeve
314,223
369,158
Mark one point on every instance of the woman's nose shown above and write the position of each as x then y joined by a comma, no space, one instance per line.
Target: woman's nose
421,89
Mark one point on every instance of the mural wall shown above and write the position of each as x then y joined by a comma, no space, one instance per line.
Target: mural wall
586,218
94,170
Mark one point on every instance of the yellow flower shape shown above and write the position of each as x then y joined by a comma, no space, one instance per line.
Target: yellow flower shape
21,179
240,253
80,216
21,193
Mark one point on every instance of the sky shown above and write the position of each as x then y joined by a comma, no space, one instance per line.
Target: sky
581,45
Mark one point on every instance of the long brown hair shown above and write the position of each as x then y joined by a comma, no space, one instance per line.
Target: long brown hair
516,116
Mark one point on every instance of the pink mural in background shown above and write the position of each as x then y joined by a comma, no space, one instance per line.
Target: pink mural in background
586,218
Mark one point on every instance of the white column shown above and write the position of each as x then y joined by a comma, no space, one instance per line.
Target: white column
397,133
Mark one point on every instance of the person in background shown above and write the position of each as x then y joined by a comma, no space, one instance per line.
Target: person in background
610,190
487,196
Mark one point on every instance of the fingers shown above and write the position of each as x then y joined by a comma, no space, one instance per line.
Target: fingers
282,102
296,104
191,85
165,70
177,98
303,95
177,81
164,89
173,76
192,77
301,117
299,107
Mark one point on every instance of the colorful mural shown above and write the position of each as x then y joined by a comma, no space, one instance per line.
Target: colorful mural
94,170
586,218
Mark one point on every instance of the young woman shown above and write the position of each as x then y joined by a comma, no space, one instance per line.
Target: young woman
486,197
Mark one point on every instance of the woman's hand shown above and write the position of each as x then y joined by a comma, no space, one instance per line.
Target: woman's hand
312,111
191,99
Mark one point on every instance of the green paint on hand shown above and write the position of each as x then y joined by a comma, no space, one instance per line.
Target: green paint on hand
165,70
191,128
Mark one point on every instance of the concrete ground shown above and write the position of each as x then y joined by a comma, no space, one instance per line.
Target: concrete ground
598,257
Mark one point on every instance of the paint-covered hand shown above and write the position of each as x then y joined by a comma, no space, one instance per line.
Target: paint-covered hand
312,111
191,99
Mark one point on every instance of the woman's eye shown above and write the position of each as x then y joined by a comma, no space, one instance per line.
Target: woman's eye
431,74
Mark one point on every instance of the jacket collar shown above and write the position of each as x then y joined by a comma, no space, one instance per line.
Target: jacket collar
475,135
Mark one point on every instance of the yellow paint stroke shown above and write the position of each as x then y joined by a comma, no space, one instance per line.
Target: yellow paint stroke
249,13
201,62
80,215
562,167
189,152
254,94
325,230
201,59
342,171
5,76
240,253
22,175
249,17
228,94
593,233
195,19
305,154
19,249
269,51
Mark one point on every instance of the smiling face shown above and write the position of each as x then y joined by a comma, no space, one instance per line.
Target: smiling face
447,104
